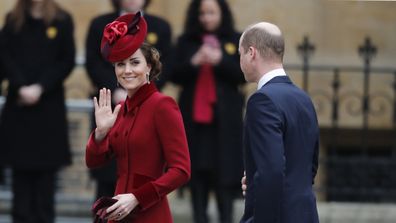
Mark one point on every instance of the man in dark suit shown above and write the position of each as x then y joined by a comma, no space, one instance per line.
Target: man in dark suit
102,73
281,135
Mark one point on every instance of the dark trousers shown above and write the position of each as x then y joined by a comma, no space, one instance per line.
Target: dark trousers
2,177
34,193
201,184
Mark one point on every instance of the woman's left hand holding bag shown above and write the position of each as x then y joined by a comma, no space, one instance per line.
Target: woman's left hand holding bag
123,207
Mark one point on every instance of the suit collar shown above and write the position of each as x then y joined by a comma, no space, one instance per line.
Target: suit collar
269,76
279,79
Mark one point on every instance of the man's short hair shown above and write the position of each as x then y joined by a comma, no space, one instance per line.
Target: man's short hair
268,45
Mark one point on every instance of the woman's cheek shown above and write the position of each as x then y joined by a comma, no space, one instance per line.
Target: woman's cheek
118,71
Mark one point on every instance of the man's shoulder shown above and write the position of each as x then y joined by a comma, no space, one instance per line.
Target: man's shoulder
281,86
285,95
259,97
281,92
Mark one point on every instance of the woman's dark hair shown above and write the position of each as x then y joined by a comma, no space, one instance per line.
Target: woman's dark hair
153,58
117,4
17,16
194,29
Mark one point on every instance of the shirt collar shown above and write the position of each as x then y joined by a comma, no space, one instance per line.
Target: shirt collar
269,76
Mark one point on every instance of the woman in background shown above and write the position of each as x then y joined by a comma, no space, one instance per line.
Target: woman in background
38,54
206,65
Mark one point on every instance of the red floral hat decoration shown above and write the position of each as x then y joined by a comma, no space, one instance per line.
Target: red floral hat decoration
123,37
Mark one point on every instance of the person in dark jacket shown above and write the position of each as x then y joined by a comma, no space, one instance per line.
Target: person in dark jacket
1,93
206,65
281,135
101,72
1,66
38,54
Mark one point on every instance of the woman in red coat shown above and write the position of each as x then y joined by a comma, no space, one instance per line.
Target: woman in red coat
145,134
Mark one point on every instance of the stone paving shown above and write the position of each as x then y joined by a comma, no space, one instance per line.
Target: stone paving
77,211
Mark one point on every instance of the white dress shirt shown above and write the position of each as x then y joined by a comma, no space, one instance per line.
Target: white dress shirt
268,76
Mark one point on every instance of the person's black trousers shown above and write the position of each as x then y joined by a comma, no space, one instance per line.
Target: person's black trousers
201,184
33,192
2,177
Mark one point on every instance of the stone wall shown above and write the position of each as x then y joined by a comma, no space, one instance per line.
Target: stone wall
337,28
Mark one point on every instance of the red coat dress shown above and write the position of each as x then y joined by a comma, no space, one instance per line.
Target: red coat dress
149,143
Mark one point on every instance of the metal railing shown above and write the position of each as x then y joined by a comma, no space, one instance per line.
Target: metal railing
362,170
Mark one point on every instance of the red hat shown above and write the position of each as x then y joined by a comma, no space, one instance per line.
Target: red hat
123,37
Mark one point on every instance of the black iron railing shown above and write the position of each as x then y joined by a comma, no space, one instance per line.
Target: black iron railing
361,170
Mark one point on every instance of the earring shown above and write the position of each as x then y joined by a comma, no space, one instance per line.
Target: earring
118,84
148,78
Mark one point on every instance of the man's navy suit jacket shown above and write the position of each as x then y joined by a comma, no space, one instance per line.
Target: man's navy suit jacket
281,155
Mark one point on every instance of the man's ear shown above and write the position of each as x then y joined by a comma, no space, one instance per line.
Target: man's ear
252,52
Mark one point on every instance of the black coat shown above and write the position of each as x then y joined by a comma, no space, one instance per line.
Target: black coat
228,110
102,73
1,65
1,91
35,137
1,77
1,74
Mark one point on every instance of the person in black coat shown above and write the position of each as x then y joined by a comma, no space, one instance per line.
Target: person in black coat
1,68
1,93
38,54
102,75
206,65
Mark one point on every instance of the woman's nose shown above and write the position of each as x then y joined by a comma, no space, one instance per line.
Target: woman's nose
128,68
